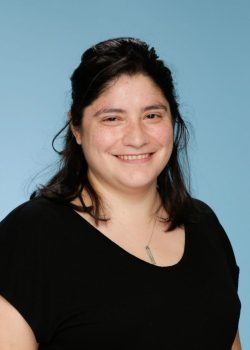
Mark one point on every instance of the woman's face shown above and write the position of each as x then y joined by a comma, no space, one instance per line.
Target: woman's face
126,135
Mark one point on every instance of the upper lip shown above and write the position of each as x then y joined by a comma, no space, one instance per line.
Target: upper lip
133,154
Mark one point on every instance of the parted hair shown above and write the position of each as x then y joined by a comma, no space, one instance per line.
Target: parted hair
100,64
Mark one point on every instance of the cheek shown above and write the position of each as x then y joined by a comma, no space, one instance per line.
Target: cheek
164,136
98,139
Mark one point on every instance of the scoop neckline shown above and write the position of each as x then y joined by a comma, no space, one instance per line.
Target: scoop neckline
125,252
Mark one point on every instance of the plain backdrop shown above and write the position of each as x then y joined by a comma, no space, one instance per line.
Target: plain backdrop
205,43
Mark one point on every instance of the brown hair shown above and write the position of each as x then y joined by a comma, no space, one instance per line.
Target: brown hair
99,65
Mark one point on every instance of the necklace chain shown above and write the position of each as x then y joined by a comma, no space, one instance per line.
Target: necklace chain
147,247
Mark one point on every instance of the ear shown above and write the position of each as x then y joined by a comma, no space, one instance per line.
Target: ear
75,130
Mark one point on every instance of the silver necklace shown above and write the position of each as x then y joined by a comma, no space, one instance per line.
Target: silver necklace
147,247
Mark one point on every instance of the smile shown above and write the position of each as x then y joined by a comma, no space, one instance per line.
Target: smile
134,156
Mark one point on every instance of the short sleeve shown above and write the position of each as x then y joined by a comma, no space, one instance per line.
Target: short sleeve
219,238
229,252
22,269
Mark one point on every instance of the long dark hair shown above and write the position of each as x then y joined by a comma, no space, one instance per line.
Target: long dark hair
99,65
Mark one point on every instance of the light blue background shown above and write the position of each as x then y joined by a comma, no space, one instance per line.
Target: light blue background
206,44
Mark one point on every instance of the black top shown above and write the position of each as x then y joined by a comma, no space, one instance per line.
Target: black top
79,290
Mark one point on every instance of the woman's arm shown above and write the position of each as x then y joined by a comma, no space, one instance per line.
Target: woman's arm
15,333
236,344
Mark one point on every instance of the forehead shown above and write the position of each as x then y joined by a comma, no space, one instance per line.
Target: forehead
132,88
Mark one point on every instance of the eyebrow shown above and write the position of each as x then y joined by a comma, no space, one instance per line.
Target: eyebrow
156,106
109,110
119,110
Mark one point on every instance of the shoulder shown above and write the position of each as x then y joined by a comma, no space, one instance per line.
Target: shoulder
32,216
206,222
202,206
31,210
199,213
29,260
32,231
202,212
209,227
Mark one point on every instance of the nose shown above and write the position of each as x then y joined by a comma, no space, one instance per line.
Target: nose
135,135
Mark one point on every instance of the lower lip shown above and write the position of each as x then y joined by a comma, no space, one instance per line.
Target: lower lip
135,161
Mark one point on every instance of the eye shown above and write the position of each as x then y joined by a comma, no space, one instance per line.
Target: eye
152,116
110,119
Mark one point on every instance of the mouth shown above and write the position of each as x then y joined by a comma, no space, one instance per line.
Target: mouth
133,157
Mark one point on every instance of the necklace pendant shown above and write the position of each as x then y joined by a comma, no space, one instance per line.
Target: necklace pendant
150,255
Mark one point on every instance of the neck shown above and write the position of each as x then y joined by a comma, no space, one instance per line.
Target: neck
133,207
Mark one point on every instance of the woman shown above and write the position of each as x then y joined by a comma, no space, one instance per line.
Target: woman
113,250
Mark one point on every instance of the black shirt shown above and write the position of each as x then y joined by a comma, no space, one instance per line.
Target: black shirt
79,290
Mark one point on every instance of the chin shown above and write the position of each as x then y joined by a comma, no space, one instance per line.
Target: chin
138,185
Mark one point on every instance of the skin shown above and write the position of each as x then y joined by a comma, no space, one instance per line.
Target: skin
131,117
127,138
237,344
15,333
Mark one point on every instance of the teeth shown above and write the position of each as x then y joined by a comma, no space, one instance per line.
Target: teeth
134,157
